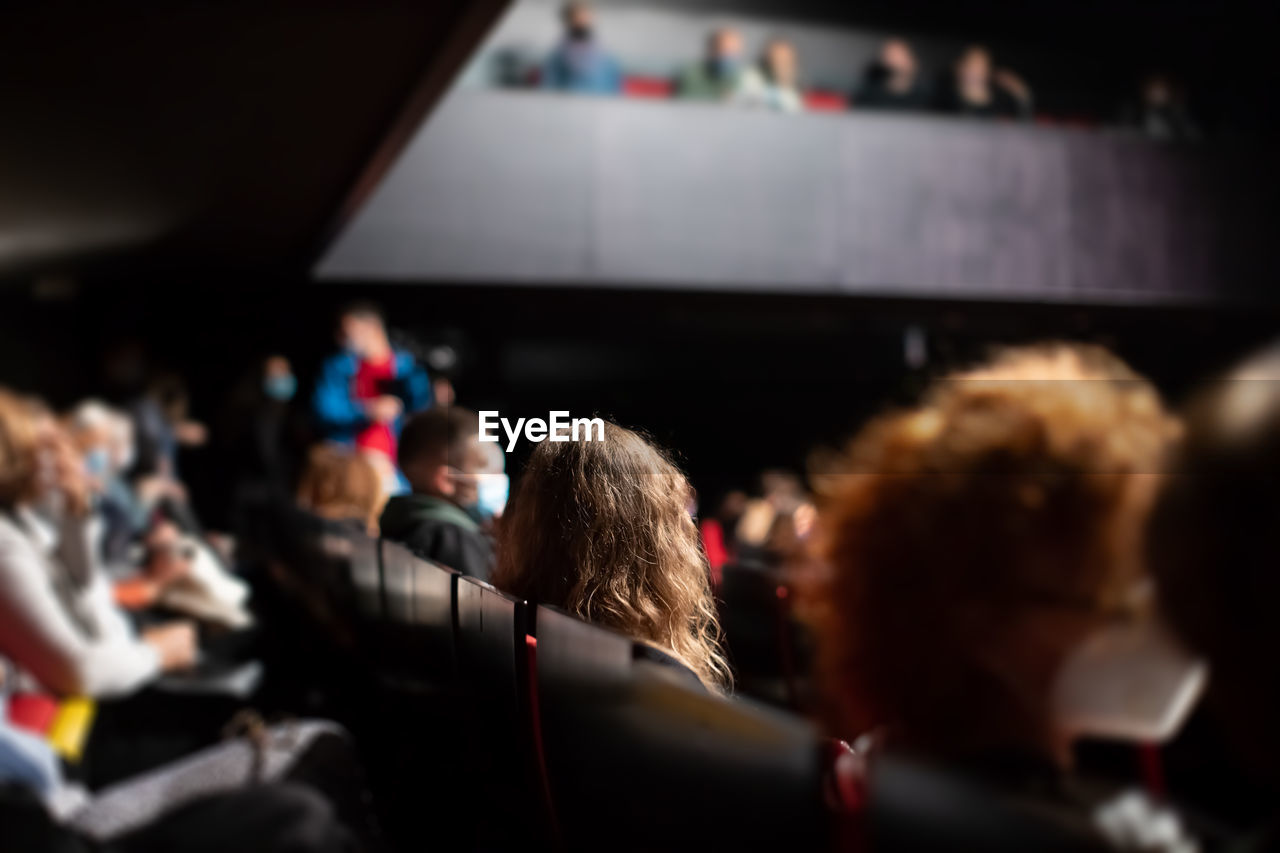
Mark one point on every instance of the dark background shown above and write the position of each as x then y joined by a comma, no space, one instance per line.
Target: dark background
235,138
732,383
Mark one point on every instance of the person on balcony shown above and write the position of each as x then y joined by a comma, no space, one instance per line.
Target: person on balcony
774,83
892,81
717,76
579,64
976,88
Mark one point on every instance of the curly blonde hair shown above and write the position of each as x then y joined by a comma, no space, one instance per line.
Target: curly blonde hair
1014,487
601,529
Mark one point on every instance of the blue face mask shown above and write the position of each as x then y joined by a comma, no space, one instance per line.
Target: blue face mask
725,67
492,491
280,386
97,462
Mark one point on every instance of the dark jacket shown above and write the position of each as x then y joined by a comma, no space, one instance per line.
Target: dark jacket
439,531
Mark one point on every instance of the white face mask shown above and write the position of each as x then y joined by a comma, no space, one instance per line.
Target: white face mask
1129,682
491,494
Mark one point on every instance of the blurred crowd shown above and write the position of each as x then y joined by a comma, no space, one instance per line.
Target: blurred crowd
974,85
1037,554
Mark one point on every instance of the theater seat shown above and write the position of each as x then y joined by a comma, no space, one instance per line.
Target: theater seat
648,762
419,635
914,807
634,86
817,101
491,651
767,649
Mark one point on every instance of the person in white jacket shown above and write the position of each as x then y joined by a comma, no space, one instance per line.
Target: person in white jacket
59,624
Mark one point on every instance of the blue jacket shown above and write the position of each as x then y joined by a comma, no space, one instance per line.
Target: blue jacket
582,68
340,416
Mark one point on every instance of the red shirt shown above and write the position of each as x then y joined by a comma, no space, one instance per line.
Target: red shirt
368,384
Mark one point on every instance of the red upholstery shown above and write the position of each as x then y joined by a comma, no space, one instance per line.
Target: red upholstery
647,87
825,102
33,712
539,749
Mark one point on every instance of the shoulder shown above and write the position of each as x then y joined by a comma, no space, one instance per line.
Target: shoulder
338,363
654,655
405,361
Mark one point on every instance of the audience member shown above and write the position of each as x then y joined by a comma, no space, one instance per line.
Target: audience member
719,530
364,391
58,622
601,529
771,526
1161,111
342,485
718,75
984,544
579,63
1212,544
445,464
105,439
976,88
262,435
163,424
892,81
773,83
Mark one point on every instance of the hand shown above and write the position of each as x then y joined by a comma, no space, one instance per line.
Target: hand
175,642
153,488
191,433
442,390
384,409
1012,83
169,554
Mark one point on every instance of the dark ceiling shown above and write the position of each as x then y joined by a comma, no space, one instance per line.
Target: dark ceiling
233,133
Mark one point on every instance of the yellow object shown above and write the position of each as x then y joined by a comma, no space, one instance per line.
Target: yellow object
71,726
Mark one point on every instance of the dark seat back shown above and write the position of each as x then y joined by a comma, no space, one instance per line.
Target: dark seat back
419,614
648,762
914,807
491,653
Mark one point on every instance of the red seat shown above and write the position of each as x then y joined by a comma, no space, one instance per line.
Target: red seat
647,87
825,102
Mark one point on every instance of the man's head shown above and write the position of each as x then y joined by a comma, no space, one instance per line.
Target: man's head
973,68
578,19
441,455
361,329
897,59
724,45
780,61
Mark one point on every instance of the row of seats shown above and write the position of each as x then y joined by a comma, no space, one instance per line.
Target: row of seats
573,742
599,739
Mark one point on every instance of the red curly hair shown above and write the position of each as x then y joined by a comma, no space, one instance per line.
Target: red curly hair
1015,486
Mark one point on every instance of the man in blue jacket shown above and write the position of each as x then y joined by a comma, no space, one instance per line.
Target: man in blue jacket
579,63
365,391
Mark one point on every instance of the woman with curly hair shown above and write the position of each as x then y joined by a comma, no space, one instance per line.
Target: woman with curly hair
977,542
601,529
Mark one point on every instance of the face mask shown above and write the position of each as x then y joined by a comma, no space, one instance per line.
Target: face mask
280,387
492,491
97,462
579,33
725,66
